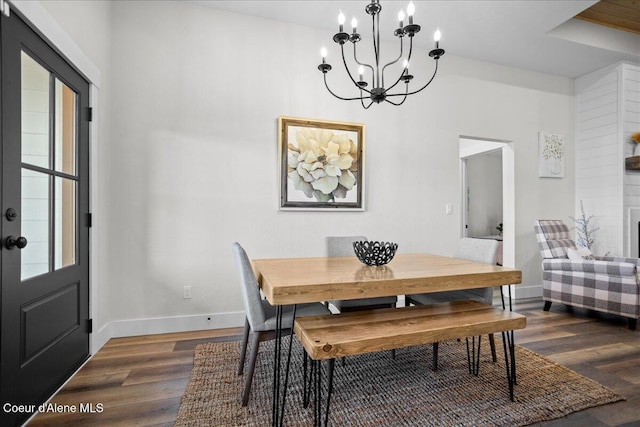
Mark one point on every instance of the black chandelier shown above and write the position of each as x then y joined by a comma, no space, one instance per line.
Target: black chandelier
379,92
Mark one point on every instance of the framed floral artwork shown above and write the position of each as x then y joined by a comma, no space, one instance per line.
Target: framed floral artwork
321,165
550,155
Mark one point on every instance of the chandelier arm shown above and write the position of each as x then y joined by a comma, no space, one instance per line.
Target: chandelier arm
366,107
428,83
361,63
346,67
416,91
338,96
397,103
393,62
402,73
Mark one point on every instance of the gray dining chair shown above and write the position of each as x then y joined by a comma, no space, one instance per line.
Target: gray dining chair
479,250
261,316
343,246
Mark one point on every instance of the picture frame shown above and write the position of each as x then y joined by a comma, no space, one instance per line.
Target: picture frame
550,155
321,164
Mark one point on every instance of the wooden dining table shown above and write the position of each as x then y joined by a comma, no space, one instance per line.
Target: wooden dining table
291,281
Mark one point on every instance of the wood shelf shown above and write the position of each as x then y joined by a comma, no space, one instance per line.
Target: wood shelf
632,163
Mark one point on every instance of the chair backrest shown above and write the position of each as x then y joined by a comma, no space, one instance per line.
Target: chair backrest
553,238
341,245
479,250
250,289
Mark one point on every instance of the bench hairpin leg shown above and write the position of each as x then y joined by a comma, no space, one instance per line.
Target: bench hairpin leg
473,356
317,416
435,356
305,395
513,356
329,389
509,359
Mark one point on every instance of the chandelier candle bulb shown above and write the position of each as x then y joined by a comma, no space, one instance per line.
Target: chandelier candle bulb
436,37
323,53
341,21
401,18
354,25
410,10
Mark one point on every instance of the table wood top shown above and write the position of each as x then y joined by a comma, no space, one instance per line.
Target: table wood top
303,280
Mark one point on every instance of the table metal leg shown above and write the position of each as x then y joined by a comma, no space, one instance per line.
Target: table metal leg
286,370
277,411
276,369
510,337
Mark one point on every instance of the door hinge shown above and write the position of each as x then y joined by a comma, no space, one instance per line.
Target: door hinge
5,8
89,114
89,326
89,220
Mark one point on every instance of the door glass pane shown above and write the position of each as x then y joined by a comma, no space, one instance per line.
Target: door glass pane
65,134
65,223
35,112
35,223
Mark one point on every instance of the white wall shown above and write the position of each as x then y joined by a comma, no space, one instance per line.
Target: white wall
191,159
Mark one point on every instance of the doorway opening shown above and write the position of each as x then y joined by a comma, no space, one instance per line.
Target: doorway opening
487,191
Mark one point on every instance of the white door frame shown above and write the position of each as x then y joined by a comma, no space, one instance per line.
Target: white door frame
508,193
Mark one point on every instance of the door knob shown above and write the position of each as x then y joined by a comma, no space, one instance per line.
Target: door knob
15,242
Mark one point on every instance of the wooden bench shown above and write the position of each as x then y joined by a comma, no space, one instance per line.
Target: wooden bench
329,336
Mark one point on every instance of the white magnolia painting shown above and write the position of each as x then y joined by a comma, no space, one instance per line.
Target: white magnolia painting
321,164
550,155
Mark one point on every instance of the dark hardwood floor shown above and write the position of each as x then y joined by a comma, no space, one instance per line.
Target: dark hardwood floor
140,380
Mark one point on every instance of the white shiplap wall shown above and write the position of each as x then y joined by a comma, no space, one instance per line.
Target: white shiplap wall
630,123
606,115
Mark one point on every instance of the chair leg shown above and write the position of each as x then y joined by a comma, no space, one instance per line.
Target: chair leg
255,343
547,305
243,350
632,324
492,344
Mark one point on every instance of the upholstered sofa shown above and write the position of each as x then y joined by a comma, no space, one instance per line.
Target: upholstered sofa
605,284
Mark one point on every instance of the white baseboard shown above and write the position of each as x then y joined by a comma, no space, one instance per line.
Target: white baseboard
164,325
198,322
100,338
522,292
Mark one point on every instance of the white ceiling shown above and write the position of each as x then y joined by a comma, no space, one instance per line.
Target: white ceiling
528,34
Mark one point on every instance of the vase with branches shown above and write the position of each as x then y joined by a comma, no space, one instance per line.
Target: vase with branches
584,230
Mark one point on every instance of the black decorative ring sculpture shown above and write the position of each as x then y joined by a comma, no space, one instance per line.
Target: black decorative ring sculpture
375,253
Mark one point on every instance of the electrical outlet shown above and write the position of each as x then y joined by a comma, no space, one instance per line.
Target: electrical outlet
187,292
448,209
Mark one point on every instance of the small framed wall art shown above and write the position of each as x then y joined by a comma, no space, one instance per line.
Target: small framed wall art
321,165
550,155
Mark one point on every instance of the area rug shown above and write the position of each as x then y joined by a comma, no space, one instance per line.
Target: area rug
375,390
